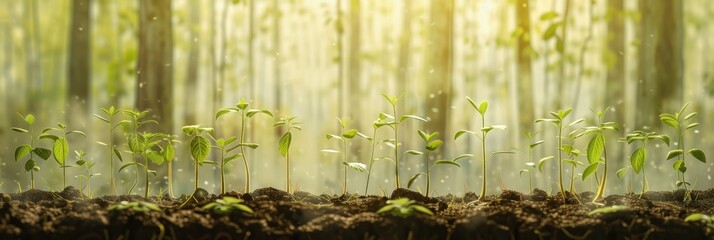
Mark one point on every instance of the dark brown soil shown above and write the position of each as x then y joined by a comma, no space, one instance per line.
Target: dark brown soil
278,215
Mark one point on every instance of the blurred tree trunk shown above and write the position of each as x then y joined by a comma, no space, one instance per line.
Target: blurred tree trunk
277,15
355,70
661,61
251,52
523,55
189,96
32,55
404,50
79,64
615,94
340,79
155,66
439,65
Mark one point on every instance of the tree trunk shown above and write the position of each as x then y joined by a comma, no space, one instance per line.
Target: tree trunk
32,55
277,15
404,50
439,65
661,62
189,96
615,94
355,70
155,66
523,55
79,63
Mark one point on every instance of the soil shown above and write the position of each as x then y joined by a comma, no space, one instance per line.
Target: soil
68,214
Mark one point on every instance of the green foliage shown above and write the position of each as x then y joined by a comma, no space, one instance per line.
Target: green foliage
639,155
227,155
430,145
558,119
346,134
87,166
148,147
597,148
134,206
60,146
227,205
112,125
531,166
681,123
134,141
284,143
373,144
393,122
699,217
403,207
200,147
30,150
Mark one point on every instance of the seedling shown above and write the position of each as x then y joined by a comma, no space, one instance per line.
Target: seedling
245,115
60,147
557,120
146,145
403,207
597,147
699,217
344,137
622,173
431,145
373,143
393,122
679,122
226,156
200,147
530,164
168,152
136,122
284,143
638,157
23,150
227,205
481,110
109,119
87,165
134,206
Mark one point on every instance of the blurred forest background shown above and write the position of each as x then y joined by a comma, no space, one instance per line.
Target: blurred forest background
319,59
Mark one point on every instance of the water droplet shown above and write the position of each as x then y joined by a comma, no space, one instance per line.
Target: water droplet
195,39
386,180
81,29
155,18
657,145
205,183
431,95
180,170
431,71
434,110
696,131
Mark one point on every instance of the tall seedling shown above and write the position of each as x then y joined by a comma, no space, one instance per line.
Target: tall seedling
557,120
30,149
284,144
60,147
481,110
200,147
112,125
638,157
245,115
227,155
136,121
597,148
168,152
680,123
147,146
393,121
430,145
344,137
373,145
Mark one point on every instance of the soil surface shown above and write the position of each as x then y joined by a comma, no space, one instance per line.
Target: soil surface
68,214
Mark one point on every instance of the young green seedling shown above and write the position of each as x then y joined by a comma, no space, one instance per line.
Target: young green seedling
134,206
430,145
87,165
403,207
245,115
147,146
136,122
344,137
530,164
572,155
284,143
110,120
597,147
481,110
557,120
23,150
638,157
699,217
622,173
222,145
168,152
679,122
373,143
227,205
200,147
394,124
60,147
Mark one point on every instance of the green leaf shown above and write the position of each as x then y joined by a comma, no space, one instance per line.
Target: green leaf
463,156
284,143
621,173
610,209
690,116
423,135
358,166
29,165
637,160
137,143
448,162
60,150
155,157
116,152
189,130
414,152
30,119
698,154
542,161
590,170
412,179
42,153
698,217
472,102
242,104
690,126
422,209
548,15
200,147
674,153
218,114
331,136
670,120
48,136
595,148
482,107
250,145
169,152
679,166
461,132
405,117
21,151
533,145
349,134
20,130
550,31
433,145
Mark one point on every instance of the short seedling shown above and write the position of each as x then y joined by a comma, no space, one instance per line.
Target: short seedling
393,122
431,145
227,155
146,145
403,207
60,147
680,123
597,147
227,205
200,147
284,143
557,120
530,164
136,122
87,166
245,115
373,145
638,157
481,110
344,137
168,152
23,150
699,217
110,120
134,206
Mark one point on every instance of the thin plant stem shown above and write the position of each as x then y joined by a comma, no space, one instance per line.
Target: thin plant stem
242,152
371,161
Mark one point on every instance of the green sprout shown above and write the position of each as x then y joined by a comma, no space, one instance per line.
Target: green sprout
394,124
638,157
699,217
136,122
430,146
481,110
373,144
679,122
200,147
284,143
23,150
344,137
134,206
87,165
60,147
110,121
146,145
597,147
227,205
245,115
226,156
530,164
557,120
608,209
403,207
168,152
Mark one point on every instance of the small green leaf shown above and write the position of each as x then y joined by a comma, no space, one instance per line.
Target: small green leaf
637,160
30,119
331,136
590,170
284,143
360,167
21,151
542,161
533,145
189,130
550,31
463,156
349,134
200,147
433,145
29,165
422,209
42,153
414,152
155,157
674,153
218,114
621,173
250,145
405,117
679,166
482,107
698,217
423,135
412,179
461,132
20,130
168,152
60,150
595,148
448,162
698,154
118,154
